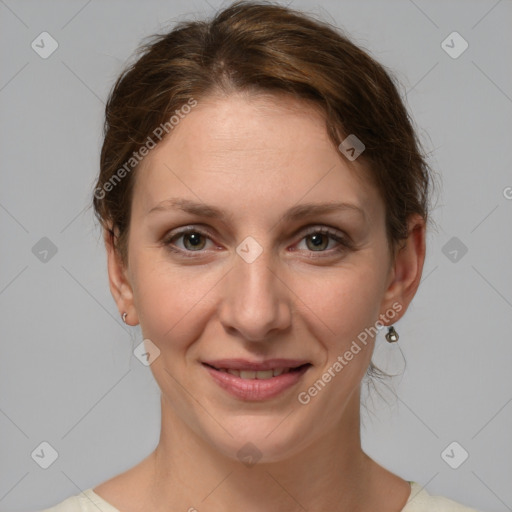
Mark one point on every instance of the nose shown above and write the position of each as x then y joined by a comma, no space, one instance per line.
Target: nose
256,301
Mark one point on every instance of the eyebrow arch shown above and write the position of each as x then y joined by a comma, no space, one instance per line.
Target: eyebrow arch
295,212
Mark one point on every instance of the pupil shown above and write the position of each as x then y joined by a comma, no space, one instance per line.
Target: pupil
194,239
317,240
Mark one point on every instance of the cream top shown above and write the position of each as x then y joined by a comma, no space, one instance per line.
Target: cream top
419,501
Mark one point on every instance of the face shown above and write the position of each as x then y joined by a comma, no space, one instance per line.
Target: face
228,266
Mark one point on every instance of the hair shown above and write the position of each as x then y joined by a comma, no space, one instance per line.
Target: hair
260,47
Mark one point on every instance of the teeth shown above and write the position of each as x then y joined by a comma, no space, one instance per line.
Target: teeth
262,375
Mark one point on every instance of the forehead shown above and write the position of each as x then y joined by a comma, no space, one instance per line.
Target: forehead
244,146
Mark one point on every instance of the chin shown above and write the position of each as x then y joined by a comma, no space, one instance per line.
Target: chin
257,439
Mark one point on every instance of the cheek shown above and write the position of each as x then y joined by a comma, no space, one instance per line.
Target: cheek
176,302
341,305
171,301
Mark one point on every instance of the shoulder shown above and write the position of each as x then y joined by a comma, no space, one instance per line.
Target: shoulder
87,501
421,501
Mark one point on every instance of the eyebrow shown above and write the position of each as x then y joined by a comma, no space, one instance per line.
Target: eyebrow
295,212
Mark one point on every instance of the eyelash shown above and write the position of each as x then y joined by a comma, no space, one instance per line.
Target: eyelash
343,243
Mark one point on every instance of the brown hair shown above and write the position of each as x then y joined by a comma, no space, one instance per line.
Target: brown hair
263,47
255,46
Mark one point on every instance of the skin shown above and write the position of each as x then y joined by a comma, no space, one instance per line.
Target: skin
256,156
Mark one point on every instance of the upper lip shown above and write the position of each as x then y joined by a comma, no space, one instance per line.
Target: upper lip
245,365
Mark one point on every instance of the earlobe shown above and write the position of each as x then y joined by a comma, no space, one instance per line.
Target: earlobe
407,268
119,284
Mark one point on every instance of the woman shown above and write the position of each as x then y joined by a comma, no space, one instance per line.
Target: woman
264,202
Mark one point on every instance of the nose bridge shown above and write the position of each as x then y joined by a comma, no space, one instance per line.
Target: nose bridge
256,301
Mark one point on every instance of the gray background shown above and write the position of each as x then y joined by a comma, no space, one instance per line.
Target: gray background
67,372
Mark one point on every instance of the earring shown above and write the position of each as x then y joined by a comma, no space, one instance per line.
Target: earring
391,335
124,317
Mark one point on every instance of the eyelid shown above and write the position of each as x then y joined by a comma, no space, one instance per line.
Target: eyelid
322,228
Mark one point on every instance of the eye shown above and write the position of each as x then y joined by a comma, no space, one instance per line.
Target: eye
317,240
193,240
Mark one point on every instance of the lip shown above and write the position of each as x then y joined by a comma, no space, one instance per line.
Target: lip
257,389
244,364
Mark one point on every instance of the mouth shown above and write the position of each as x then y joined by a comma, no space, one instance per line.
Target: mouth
248,374
251,381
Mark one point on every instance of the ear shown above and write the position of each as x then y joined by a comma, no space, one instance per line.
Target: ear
406,270
119,283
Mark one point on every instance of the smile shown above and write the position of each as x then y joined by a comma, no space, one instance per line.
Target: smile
256,385
261,375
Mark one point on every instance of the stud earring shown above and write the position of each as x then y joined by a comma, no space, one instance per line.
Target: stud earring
124,317
391,335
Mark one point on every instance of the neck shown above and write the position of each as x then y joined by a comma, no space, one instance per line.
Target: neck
333,473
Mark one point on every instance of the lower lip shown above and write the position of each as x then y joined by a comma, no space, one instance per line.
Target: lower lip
256,389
